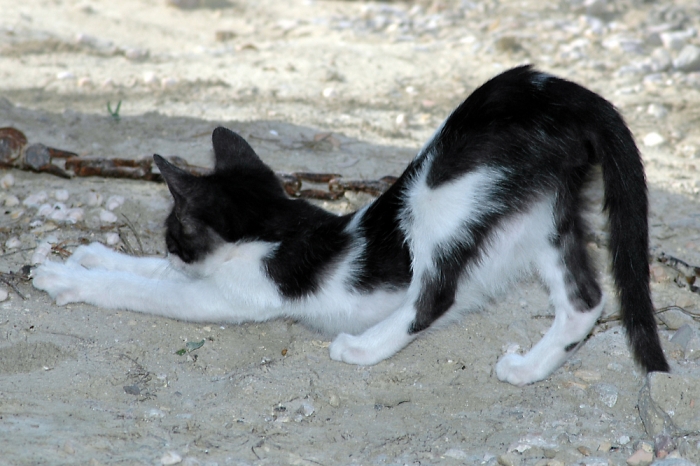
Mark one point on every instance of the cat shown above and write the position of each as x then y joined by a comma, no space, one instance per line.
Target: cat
496,192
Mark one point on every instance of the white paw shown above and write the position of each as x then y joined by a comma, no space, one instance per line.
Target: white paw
60,281
349,349
94,256
512,368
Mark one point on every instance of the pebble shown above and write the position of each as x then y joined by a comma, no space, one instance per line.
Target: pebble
657,111
607,393
61,195
456,453
11,201
674,319
688,340
170,457
75,215
112,238
328,92
653,139
4,294
114,202
676,40
40,253
640,458
94,199
587,376
13,243
688,59
35,200
7,181
107,217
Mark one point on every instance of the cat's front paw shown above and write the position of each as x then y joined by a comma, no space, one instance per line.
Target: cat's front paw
349,349
60,281
513,368
94,256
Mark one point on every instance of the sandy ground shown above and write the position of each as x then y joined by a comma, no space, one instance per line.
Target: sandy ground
87,386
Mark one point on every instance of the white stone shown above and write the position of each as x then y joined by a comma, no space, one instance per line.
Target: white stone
11,201
169,458
328,92
7,181
111,238
4,294
114,202
61,195
688,59
676,40
35,200
75,215
13,243
107,217
657,110
653,139
94,199
40,253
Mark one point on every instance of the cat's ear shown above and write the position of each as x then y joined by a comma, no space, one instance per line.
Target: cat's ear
178,180
231,150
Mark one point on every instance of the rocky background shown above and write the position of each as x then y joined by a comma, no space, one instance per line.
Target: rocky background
345,87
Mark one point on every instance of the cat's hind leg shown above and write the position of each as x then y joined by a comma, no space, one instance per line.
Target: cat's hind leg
578,303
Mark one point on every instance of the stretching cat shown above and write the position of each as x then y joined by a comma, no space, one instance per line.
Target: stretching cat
496,192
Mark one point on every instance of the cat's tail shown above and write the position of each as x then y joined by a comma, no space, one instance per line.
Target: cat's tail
627,207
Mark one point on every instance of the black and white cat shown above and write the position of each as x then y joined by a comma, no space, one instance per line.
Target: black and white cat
495,193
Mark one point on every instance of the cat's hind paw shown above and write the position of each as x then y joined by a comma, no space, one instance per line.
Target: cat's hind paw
349,349
59,281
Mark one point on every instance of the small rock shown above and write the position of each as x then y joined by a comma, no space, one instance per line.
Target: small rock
605,447
401,119
663,445
676,40
688,59
585,451
4,294
114,202
170,457
674,319
640,458
653,139
683,335
169,82
667,404
7,181
623,440
456,454
107,217
333,400
11,201
328,92
75,215
607,393
68,447
136,54
659,274
657,111
587,376
61,195
35,200
13,243
111,238
94,199
508,459
40,253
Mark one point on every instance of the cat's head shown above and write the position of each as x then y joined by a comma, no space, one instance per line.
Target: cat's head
233,203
